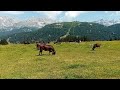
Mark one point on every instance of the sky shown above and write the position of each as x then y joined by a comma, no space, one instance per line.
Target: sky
64,15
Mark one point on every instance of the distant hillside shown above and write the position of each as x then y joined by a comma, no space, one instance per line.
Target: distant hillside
52,32
18,30
114,31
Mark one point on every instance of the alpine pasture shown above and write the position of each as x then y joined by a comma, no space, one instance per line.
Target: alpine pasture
72,61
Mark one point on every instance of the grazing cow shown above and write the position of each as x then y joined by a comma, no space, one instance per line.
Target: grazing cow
96,45
45,47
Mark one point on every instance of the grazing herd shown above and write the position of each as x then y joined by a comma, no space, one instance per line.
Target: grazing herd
43,46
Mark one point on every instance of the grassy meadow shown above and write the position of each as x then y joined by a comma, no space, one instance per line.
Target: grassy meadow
72,61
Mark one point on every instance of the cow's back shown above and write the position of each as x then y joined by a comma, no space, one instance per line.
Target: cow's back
49,47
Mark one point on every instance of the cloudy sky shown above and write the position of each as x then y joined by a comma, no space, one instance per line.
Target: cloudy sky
64,15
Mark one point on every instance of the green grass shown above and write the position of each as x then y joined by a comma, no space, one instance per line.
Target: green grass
72,61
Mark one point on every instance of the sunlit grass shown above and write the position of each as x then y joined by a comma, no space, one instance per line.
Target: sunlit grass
72,61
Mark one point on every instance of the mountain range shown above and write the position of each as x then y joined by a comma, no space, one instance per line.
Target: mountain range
50,30
9,24
107,22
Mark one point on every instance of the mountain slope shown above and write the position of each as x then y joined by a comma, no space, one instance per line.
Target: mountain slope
52,32
10,25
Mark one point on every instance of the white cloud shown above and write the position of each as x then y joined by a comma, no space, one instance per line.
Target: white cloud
113,13
12,12
109,11
106,11
64,15
117,12
71,15
50,14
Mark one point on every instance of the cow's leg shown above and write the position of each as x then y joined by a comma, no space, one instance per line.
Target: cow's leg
50,51
40,52
93,48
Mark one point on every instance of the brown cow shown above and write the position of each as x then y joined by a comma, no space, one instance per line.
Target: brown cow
45,47
96,45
